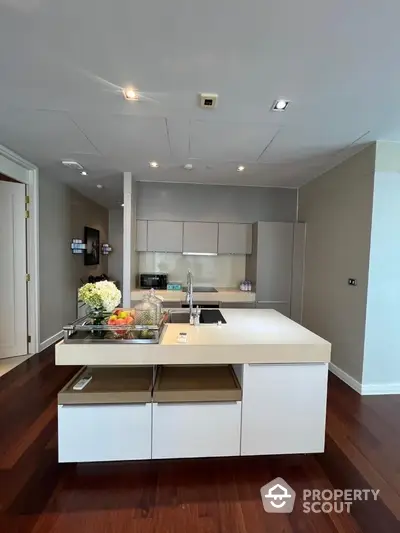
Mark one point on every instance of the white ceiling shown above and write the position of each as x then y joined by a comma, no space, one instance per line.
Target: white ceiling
63,64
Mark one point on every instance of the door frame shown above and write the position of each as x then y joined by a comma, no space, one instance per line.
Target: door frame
16,167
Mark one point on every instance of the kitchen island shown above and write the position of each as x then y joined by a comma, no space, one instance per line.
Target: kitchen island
255,385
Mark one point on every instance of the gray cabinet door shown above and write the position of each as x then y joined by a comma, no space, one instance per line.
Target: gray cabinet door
234,238
141,235
274,261
164,236
200,237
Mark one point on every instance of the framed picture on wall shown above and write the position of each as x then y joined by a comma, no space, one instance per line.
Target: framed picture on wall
92,241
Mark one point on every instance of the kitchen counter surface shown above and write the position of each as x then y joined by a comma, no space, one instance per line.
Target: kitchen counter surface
225,295
249,336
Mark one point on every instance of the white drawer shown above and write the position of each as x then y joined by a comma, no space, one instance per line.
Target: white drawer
196,429
104,432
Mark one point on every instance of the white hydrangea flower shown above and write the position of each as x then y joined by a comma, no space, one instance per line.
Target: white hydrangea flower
100,295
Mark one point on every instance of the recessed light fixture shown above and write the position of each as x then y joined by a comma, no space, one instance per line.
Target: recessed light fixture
99,186
122,205
154,164
83,173
280,105
240,168
188,166
131,94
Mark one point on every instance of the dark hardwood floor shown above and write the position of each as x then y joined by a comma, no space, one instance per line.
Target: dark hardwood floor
196,496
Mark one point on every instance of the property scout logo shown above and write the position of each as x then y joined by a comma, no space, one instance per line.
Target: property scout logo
279,497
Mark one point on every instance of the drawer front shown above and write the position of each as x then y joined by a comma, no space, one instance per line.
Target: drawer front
284,408
104,432
196,430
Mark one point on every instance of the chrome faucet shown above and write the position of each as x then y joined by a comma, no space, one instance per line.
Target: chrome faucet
189,292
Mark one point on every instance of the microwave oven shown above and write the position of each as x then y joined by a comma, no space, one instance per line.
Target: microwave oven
153,281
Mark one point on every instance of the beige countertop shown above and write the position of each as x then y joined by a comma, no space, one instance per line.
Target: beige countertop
249,336
223,295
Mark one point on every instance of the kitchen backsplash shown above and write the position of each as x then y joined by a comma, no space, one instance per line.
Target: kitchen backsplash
217,271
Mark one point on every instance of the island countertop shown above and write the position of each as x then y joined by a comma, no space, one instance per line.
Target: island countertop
249,336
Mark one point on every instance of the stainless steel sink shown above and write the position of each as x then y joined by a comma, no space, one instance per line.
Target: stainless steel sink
179,317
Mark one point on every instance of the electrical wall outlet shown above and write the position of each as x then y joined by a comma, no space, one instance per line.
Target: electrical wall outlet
352,281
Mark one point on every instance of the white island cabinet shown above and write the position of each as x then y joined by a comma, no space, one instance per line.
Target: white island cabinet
256,385
284,408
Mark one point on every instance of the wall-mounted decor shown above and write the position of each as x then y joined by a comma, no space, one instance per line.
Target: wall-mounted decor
92,241
78,246
106,249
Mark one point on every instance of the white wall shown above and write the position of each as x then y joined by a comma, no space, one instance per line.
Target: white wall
219,271
63,213
337,207
115,236
382,337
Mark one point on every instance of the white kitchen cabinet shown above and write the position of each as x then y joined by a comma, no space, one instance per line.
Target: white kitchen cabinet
104,432
234,238
209,429
284,408
164,236
200,237
141,235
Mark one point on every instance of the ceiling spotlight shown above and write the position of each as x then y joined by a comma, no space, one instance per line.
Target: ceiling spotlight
83,173
122,205
240,168
131,94
99,186
280,105
188,166
154,164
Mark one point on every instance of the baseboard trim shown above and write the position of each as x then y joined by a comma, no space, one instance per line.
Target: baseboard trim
372,389
51,340
341,374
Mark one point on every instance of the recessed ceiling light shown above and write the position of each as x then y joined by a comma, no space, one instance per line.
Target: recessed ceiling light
83,173
122,205
131,94
280,105
99,186
240,168
188,166
154,164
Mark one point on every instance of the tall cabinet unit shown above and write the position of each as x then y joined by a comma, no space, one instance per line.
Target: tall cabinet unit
275,269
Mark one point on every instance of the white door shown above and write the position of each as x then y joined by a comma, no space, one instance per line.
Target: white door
13,300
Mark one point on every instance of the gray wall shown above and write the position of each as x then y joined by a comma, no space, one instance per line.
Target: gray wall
337,207
115,236
63,213
215,203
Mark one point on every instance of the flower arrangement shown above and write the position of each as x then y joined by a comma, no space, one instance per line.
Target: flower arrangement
101,296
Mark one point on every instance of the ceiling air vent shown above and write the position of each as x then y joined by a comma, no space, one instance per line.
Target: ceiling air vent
72,164
208,101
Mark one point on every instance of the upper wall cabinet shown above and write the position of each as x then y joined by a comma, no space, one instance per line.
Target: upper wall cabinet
141,235
200,237
164,236
235,239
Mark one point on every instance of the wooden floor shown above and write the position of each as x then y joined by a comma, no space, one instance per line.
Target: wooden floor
195,496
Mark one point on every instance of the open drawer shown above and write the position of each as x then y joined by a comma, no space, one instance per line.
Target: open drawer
110,386
182,384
